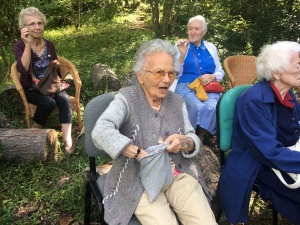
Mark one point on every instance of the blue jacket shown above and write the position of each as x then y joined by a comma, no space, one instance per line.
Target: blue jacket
253,144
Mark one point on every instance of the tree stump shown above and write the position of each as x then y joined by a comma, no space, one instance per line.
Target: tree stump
130,80
19,145
103,78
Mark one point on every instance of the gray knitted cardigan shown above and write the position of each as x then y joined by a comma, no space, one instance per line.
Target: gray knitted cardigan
130,119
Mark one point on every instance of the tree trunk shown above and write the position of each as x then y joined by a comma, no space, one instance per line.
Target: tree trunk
79,12
155,18
165,25
19,145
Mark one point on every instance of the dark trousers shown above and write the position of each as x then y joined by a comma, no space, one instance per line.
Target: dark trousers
46,104
285,200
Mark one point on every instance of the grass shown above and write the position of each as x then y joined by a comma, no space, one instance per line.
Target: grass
112,43
37,184
34,193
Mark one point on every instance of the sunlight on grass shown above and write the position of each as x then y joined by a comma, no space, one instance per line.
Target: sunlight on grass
113,44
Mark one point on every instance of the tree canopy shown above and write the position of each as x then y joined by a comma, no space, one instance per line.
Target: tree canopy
235,26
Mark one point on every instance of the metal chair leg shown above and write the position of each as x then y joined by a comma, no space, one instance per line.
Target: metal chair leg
275,216
219,215
87,208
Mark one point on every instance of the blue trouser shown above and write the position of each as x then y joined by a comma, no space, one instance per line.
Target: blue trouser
46,104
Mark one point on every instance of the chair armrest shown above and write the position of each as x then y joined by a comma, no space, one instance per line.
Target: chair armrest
77,82
68,67
231,79
16,79
253,80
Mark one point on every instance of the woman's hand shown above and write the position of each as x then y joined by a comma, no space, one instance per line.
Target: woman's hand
131,150
182,46
25,36
207,78
179,142
55,63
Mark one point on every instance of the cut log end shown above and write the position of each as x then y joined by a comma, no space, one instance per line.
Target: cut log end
51,146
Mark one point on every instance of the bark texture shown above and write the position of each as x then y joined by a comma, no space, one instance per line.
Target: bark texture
19,145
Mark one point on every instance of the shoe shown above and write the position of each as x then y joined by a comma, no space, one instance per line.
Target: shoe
69,148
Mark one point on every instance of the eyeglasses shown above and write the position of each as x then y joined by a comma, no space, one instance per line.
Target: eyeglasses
161,74
33,24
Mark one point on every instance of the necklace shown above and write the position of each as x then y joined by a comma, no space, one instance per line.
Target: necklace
37,49
156,108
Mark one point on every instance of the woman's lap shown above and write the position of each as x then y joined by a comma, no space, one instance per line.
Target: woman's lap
185,196
46,104
200,113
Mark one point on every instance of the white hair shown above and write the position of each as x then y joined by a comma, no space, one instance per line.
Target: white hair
30,11
151,47
275,58
198,18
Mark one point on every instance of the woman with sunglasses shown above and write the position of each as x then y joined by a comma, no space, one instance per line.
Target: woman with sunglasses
33,55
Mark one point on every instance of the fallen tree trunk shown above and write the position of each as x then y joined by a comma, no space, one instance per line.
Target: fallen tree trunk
19,145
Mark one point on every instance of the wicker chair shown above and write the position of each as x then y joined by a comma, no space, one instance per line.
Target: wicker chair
240,69
66,68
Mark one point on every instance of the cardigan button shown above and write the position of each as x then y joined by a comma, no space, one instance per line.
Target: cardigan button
179,166
293,119
156,115
296,131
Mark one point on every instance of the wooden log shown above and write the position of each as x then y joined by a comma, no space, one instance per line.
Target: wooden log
28,144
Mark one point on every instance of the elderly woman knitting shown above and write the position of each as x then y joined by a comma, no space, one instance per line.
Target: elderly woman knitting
144,124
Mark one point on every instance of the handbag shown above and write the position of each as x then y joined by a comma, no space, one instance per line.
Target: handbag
294,176
214,87
50,83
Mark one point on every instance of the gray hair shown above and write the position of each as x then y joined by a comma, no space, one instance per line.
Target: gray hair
28,12
198,18
151,47
275,58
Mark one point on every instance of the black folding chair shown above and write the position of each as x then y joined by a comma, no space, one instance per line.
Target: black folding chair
95,183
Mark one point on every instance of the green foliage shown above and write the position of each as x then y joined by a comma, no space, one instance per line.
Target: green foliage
1,150
263,22
60,13
110,8
112,43
236,27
